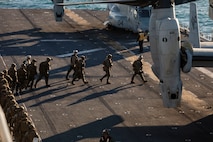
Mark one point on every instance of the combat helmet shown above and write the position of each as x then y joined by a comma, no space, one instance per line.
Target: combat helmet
109,56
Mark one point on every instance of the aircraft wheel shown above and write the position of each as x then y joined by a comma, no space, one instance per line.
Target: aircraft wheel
109,27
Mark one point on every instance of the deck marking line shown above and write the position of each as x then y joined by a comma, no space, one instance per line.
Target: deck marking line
205,71
81,52
58,40
76,18
3,62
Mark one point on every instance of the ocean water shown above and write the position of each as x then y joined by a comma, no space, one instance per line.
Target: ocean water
205,23
182,11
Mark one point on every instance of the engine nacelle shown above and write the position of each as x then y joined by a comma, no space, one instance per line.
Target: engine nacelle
211,9
58,10
165,51
169,60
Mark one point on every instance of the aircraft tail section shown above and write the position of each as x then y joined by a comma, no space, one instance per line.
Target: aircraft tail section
194,34
202,51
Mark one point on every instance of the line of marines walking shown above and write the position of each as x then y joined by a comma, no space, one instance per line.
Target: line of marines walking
78,65
24,77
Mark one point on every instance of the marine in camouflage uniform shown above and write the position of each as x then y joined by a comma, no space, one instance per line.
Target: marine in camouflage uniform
73,61
22,78
27,61
3,82
80,70
10,113
107,67
20,125
30,133
4,95
31,72
137,68
7,77
12,72
44,68
105,137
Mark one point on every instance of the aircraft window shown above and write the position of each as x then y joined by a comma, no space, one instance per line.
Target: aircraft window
144,13
115,9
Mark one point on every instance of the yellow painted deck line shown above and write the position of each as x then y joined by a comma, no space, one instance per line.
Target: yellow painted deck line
76,18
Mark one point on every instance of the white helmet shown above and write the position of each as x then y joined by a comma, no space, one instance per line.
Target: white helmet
75,51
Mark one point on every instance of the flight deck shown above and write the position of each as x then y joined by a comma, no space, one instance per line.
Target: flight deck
78,113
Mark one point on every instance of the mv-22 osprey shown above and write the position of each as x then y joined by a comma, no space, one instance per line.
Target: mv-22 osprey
131,18
169,54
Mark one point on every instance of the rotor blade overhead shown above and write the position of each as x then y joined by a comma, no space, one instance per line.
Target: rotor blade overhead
95,2
142,3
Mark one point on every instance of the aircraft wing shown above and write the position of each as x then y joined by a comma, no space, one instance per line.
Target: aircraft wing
142,3
202,57
207,44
